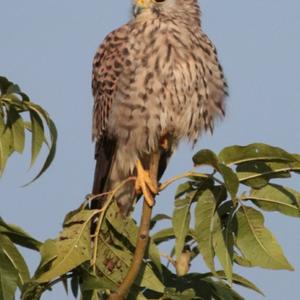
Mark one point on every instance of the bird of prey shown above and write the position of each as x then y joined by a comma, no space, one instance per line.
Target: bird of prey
156,80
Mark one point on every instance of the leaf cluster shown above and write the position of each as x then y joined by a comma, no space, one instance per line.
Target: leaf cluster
13,269
218,216
226,226
14,106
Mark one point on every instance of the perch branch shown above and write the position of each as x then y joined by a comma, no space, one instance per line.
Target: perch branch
142,240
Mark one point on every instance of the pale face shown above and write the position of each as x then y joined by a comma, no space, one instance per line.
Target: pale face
140,6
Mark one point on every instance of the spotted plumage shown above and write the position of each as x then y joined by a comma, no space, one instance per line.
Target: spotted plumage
156,76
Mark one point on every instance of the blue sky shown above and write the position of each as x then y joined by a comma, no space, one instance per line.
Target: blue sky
47,48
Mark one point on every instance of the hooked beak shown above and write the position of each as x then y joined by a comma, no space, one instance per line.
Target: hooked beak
139,6
137,10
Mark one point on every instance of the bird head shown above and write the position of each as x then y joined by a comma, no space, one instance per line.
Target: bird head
144,7
140,6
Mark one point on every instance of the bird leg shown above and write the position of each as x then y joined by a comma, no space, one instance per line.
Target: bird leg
145,184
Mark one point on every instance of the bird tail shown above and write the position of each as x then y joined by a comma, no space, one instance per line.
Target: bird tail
104,156
107,177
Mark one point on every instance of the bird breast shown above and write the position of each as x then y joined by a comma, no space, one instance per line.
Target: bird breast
161,88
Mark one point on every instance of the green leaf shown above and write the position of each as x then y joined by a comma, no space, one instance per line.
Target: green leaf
13,88
19,236
242,261
222,291
256,242
136,295
275,197
158,217
65,284
253,152
8,277
48,253
181,219
5,144
15,102
4,84
257,174
230,179
53,136
206,157
173,294
238,279
73,246
163,235
75,284
114,264
204,288
90,295
37,131
32,291
223,247
16,125
24,97
183,188
128,229
204,213
15,258
89,282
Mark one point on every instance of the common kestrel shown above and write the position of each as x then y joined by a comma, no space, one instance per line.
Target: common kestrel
156,80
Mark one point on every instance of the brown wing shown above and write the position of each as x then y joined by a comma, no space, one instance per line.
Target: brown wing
107,67
106,70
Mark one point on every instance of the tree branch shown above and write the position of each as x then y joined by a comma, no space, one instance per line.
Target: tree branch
142,240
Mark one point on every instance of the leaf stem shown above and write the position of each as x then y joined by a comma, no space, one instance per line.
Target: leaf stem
178,177
188,174
49,285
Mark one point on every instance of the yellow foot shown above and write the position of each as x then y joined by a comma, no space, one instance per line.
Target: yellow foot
145,184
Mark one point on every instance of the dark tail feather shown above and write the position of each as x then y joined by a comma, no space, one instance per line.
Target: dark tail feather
163,162
104,153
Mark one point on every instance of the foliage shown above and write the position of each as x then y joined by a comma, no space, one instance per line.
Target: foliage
218,215
13,269
13,105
